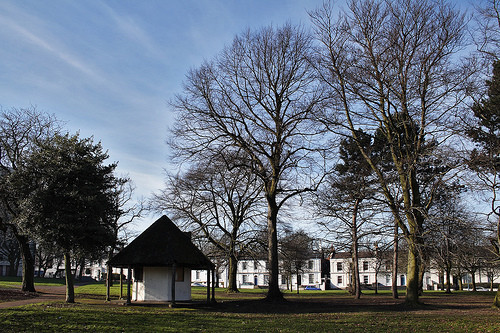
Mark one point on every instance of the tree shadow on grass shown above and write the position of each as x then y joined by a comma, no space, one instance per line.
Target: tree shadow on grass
310,304
347,305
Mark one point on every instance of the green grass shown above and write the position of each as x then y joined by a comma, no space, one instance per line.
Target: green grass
98,290
104,317
310,311
15,281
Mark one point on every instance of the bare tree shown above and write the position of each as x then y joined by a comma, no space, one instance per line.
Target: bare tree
9,250
486,31
295,249
391,66
20,131
448,225
46,255
258,97
127,210
218,202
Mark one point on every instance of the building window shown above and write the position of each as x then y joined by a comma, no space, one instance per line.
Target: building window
365,265
243,265
387,279
267,265
339,279
197,275
339,267
283,279
255,265
310,264
245,278
365,279
266,280
311,278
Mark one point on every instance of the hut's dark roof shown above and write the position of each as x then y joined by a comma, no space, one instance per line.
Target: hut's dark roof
162,244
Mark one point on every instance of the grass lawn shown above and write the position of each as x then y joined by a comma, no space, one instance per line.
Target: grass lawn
15,282
310,311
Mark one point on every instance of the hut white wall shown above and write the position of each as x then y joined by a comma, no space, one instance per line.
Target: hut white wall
156,285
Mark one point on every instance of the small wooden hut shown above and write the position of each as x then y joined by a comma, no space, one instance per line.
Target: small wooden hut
161,259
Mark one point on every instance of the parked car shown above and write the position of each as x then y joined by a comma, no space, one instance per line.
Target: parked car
197,284
311,288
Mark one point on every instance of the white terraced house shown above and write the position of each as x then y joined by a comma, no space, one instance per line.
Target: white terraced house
255,273
336,275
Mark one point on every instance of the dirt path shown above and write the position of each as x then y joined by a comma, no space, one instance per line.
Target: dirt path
46,293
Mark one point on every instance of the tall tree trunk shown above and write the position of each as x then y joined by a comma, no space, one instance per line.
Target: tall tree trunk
412,288
274,293
233,273
70,288
395,262
496,302
355,259
13,268
421,272
473,276
298,280
28,263
82,268
448,276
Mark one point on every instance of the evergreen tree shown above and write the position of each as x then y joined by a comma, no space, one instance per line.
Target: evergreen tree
485,158
65,195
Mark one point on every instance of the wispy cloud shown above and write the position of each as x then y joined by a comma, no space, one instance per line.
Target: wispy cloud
33,32
132,30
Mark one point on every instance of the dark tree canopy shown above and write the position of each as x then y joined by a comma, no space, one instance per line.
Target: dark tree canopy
21,129
486,130
484,160
65,196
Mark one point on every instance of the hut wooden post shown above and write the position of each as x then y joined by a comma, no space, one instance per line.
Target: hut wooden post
121,283
208,285
172,285
109,277
129,275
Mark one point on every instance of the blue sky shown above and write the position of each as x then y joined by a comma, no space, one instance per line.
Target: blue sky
109,68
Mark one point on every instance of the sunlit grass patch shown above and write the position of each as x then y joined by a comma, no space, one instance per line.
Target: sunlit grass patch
15,281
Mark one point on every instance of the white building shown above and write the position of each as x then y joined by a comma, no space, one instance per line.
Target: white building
371,271
254,273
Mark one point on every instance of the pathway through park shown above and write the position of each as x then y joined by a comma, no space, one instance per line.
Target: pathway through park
47,293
